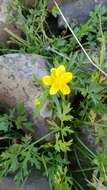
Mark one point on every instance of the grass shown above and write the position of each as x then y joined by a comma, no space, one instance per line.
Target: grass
68,158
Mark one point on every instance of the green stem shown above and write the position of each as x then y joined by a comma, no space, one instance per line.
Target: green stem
42,138
85,147
94,123
79,164
84,170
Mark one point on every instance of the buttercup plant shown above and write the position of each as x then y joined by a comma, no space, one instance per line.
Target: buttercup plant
58,80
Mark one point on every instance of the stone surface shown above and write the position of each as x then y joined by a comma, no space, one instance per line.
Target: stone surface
88,138
4,23
16,85
104,2
36,181
29,3
78,10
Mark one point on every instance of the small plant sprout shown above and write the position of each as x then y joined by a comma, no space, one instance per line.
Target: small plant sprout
37,102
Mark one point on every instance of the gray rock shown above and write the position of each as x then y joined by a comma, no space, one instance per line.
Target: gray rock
16,85
36,181
88,138
76,11
29,3
104,2
4,23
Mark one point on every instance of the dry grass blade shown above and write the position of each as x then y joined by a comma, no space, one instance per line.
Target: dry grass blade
91,61
96,184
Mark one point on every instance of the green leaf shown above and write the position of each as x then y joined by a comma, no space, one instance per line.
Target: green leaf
55,11
4,123
20,108
62,146
65,115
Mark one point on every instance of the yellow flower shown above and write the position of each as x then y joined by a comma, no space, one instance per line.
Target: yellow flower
37,102
58,80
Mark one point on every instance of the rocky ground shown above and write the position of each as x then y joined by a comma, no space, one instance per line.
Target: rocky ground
16,72
16,85
35,182
73,11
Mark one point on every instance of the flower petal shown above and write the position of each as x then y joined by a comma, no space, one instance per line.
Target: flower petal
47,80
60,70
67,77
65,89
54,89
53,72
